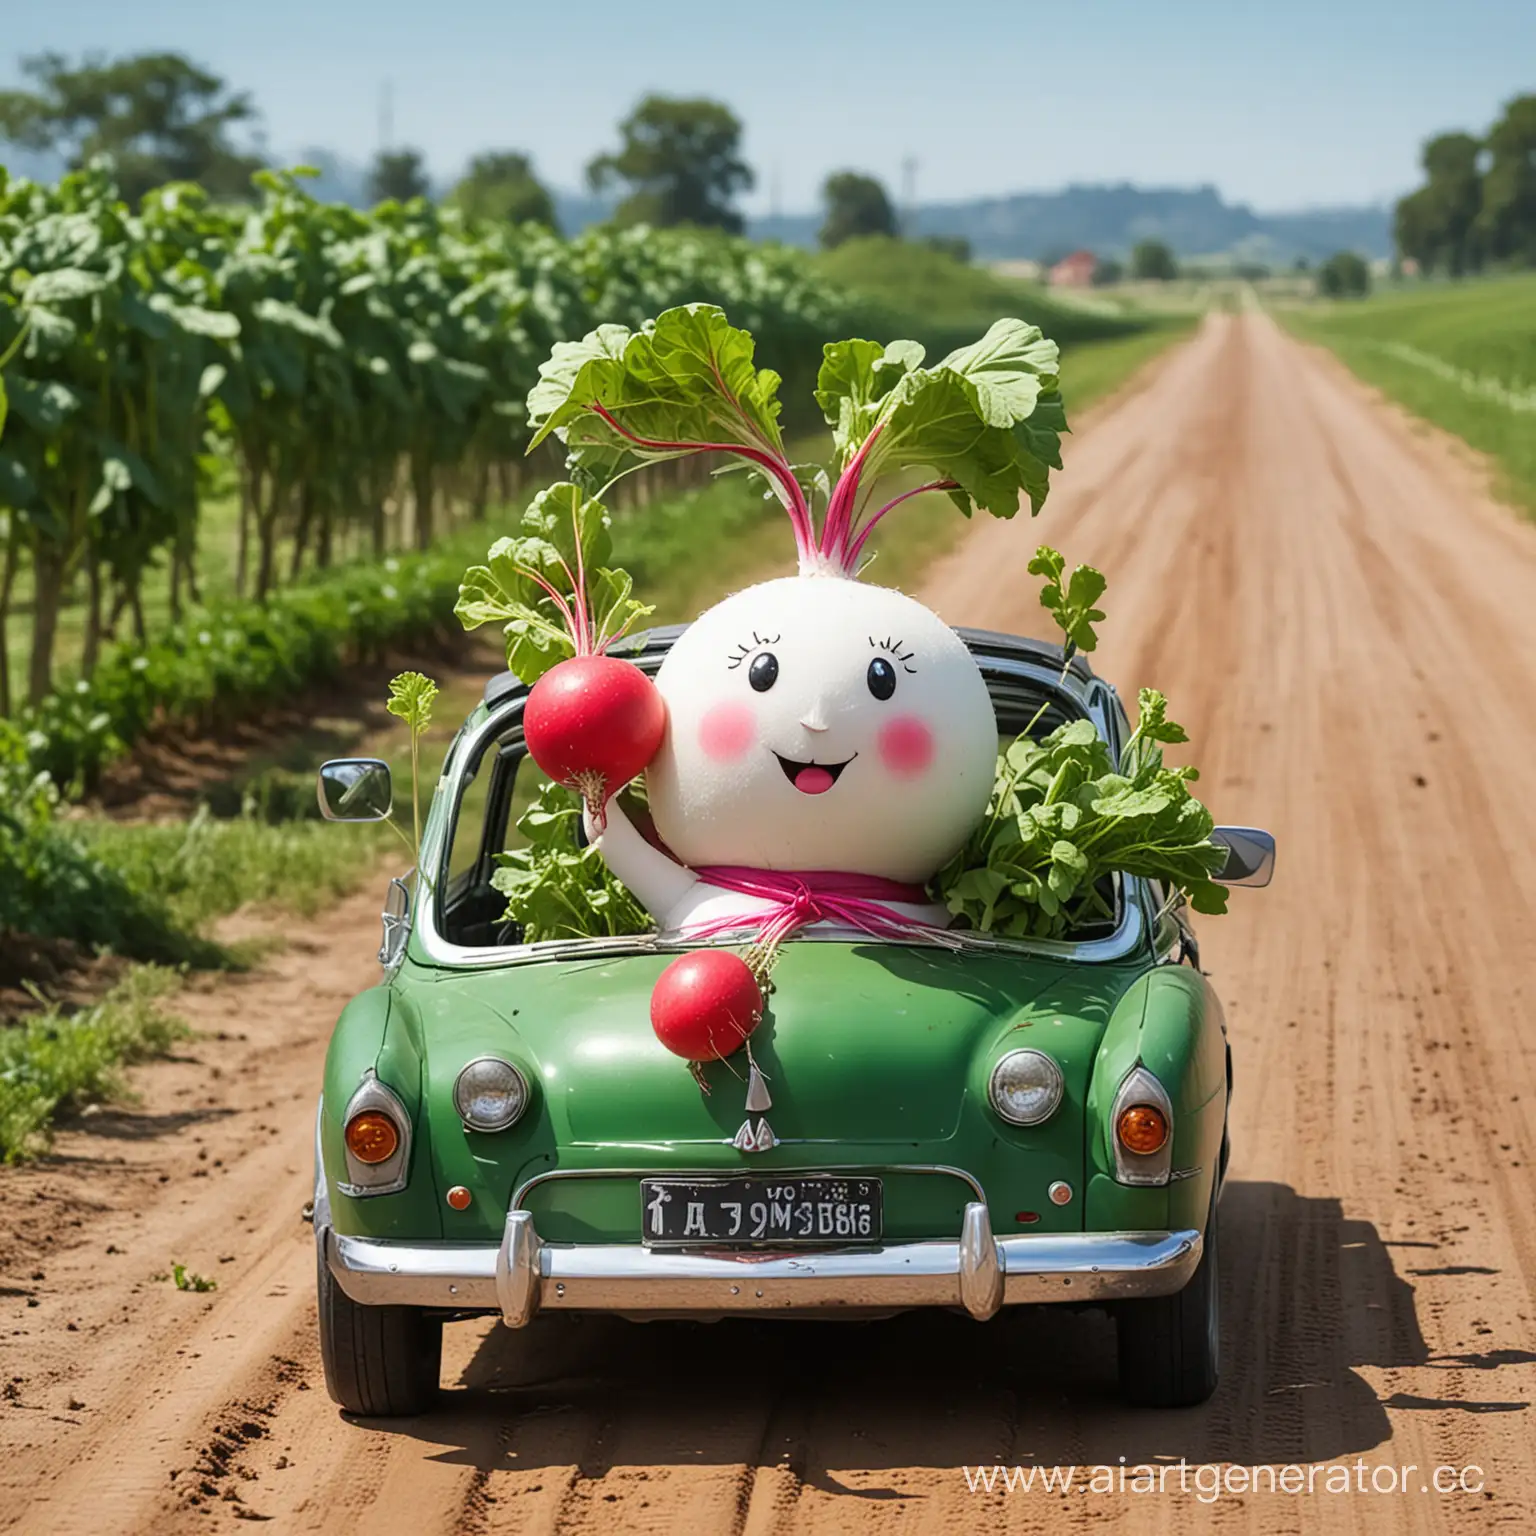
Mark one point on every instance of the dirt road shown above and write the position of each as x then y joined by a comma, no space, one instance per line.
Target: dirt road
1348,628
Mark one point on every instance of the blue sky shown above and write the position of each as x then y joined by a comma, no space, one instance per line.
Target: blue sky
1282,106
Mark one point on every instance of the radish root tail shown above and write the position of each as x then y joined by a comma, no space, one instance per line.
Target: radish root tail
593,789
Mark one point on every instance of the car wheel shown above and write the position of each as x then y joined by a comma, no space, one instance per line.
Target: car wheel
380,1362
1170,1345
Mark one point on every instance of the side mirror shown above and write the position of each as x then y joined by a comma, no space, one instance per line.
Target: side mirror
354,789
1250,856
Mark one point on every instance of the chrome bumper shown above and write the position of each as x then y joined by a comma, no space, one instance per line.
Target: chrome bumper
980,1273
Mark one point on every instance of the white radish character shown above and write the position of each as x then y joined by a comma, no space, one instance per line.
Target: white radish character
814,724
829,744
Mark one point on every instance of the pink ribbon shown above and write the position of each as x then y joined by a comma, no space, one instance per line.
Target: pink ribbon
814,896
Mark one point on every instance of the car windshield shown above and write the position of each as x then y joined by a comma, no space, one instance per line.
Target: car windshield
499,783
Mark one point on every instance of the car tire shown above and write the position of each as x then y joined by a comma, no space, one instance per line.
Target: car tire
1170,1345
380,1362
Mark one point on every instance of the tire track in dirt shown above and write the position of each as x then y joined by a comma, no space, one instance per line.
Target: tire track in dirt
1349,630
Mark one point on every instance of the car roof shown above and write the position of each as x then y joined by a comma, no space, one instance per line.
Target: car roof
982,643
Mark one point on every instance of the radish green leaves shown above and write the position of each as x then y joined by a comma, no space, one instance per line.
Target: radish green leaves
1064,817
558,888
1070,600
551,589
411,695
683,384
987,419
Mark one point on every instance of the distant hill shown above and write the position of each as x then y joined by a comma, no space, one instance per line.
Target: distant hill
1110,219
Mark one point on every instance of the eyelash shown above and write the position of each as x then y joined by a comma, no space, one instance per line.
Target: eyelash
894,650
741,653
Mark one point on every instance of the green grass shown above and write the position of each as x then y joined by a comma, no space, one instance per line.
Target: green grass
205,868
1462,356
51,1061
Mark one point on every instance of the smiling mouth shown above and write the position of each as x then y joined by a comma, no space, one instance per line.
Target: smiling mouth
812,778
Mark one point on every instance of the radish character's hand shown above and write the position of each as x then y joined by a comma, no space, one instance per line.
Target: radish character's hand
658,881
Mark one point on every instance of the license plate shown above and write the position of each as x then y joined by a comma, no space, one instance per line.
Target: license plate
772,1212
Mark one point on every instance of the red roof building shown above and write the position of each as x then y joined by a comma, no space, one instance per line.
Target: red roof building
1074,271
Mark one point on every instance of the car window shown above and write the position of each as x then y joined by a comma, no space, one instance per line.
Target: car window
469,826
500,788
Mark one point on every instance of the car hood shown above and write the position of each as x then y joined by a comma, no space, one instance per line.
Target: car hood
866,1043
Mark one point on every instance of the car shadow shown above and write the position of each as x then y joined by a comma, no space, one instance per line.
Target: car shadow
1308,1294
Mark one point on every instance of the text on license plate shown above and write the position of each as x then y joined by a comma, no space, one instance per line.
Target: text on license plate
819,1209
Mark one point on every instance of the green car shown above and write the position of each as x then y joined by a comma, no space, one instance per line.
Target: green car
500,1132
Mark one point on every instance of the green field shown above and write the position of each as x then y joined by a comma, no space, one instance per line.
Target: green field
1462,356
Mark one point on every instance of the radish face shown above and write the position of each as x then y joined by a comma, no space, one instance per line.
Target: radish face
819,723
593,723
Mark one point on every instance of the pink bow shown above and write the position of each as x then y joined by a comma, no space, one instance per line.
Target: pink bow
814,896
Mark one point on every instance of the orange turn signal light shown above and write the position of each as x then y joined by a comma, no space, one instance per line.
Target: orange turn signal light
1142,1128
372,1137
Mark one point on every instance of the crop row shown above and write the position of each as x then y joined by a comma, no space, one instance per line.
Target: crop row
344,361
225,663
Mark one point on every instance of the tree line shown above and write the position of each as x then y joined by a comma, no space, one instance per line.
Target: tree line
1477,206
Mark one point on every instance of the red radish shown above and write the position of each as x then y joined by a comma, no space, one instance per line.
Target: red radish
706,1004
592,723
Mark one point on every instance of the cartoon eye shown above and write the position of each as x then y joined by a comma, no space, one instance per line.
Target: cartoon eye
881,678
764,672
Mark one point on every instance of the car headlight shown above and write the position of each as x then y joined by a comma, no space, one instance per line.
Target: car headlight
1026,1087
490,1094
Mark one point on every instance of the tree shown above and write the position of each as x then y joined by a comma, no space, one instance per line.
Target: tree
856,205
1413,229
1344,276
500,187
1152,260
681,159
1436,225
1108,273
399,174
1506,223
160,117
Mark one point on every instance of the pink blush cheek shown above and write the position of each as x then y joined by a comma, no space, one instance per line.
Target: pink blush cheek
727,732
906,746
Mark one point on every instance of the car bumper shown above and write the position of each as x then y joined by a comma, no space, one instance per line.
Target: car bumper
523,1276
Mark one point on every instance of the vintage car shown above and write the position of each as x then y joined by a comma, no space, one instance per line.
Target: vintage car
501,1133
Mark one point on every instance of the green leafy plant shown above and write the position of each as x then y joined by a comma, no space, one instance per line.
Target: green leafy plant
1064,817
186,1280
1070,600
987,418
552,589
555,888
410,699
